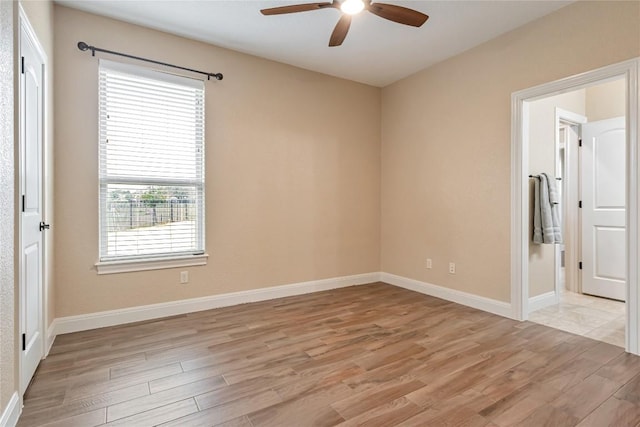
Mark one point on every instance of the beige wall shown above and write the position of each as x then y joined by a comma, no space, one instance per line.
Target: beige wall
606,101
542,118
292,166
40,15
8,366
446,143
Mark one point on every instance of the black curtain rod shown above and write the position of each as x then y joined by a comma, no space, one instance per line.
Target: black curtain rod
84,47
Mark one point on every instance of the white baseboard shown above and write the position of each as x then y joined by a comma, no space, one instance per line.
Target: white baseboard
64,325
11,413
83,322
542,301
500,308
51,336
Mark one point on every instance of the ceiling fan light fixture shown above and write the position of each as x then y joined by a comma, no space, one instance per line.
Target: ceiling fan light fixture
352,7
391,12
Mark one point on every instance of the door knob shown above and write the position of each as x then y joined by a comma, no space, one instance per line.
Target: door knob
44,226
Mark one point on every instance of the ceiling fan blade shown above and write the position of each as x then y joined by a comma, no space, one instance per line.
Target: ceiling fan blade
340,31
296,8
399,14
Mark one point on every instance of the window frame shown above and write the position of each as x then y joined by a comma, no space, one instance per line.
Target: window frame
120,264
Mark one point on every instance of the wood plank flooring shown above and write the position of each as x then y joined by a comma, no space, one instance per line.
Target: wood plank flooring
373,355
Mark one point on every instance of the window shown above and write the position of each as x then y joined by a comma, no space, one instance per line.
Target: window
151,167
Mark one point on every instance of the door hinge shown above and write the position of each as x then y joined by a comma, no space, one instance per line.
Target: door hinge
23,203
580,142
24,342
580,265
580,204
22,65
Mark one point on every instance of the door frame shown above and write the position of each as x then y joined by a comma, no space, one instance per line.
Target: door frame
519,185
571,119
25,27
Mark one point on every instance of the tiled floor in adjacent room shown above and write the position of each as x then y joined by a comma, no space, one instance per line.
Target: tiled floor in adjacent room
597,318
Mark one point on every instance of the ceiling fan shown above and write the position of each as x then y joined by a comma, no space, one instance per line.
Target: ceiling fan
399,14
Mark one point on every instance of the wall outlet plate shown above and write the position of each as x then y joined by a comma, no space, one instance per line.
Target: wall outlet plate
184,277
429,263
452,268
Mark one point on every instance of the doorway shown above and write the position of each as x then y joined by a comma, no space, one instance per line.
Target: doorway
528,294
586,163
568,125
578,284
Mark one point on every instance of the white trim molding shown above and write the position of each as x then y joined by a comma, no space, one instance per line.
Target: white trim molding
629,70
83,322
500,308
543,300
571,195
64,325
50,337
11,413
126,266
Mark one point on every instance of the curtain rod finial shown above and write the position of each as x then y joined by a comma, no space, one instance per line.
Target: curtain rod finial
83,46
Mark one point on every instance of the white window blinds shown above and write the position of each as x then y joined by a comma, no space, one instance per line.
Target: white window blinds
151,163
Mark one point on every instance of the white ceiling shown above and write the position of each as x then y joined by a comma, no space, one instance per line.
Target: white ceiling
376,51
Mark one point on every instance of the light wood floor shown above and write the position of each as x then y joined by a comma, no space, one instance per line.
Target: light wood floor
373,355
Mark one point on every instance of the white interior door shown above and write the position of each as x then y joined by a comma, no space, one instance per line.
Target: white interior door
603,208
31,247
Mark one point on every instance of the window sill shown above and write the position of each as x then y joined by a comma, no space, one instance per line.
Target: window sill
112,267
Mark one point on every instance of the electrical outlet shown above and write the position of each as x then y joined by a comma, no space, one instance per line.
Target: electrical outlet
184,277
429,264
452,268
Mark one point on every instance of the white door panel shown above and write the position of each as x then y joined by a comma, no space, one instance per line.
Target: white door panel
609,247
609,169
31,247
32,264
603,208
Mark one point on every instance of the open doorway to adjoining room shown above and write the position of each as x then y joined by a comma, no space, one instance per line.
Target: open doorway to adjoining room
575,189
